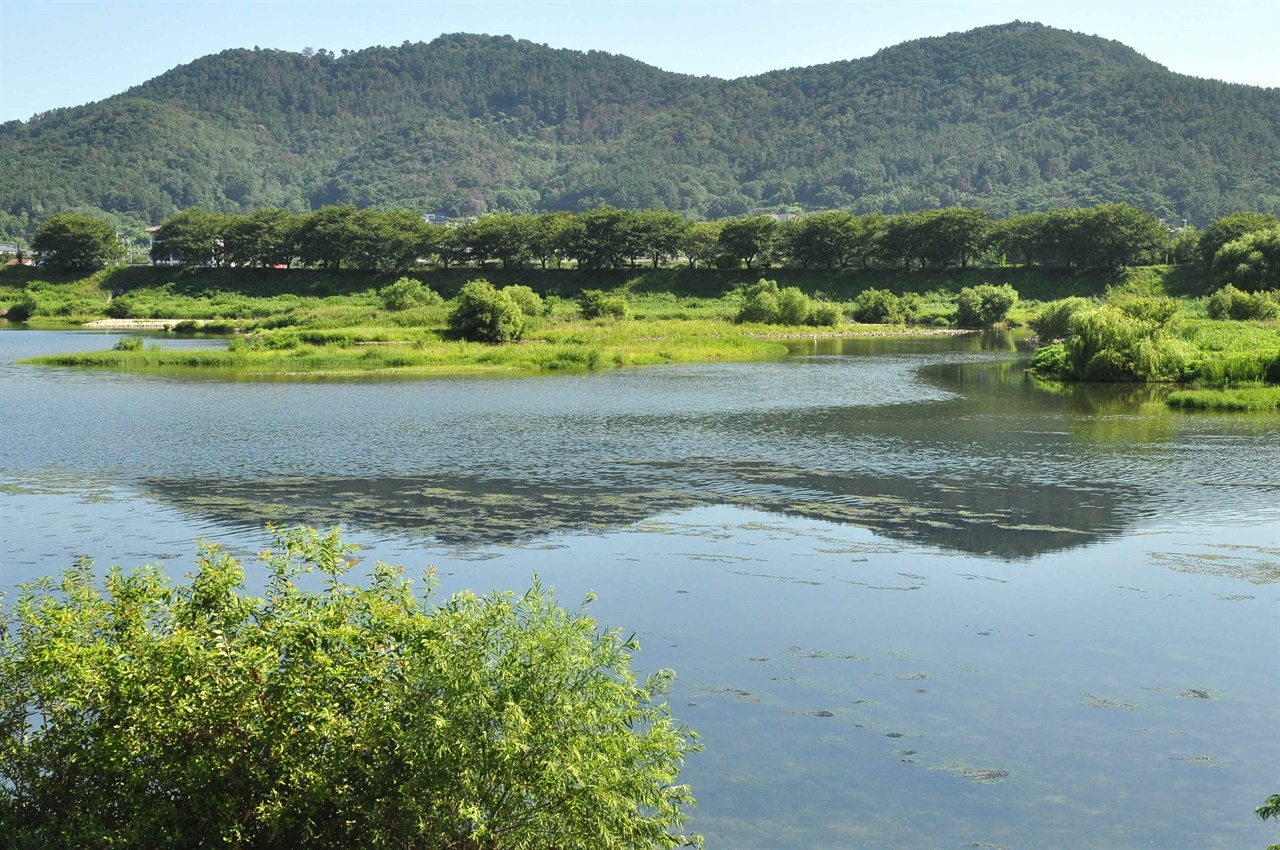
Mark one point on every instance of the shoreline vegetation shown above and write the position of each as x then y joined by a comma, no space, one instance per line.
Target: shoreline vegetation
1161,324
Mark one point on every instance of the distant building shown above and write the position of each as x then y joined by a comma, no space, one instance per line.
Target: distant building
432,218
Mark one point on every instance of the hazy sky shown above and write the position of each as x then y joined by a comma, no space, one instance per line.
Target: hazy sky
67,52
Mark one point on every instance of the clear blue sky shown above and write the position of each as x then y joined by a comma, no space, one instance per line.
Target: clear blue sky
67,52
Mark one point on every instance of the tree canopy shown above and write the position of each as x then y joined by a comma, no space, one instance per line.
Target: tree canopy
77,242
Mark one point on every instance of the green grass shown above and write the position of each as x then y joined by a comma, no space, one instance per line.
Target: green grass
429,356
1241,398
314,321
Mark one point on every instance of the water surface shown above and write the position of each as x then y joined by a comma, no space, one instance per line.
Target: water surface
913,599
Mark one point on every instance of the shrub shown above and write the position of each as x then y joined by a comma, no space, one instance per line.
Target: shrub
1051,321
120,308
128,343
763,302
483,314
146,714
1154,310
529,302
1051,360
1231,303
597,305
1107,344
794,307
22,311
984,305
826,314
407,293
760,303
878,307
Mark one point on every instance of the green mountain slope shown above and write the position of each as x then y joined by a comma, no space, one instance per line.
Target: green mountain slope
1008,118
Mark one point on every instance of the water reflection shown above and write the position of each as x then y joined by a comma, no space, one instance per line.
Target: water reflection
939,440
992,519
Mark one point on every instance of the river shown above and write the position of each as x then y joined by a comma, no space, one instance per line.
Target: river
912,599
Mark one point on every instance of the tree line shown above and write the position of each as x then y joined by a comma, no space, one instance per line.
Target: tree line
1105,237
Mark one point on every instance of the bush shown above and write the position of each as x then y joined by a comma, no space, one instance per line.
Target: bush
1051,321
597,305
22,311
984,305
1231,303
483,314
120,308
1107,344
128,343
760,303
407,293
763,302
529,302
794,307
826,314
1157,311
144,714
878,307
1051,360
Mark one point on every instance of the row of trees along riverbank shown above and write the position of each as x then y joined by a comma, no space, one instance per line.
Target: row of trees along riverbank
1104,238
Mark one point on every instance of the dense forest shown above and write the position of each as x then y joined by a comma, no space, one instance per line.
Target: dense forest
1008,119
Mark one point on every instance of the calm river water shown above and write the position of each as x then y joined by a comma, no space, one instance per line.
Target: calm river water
912,600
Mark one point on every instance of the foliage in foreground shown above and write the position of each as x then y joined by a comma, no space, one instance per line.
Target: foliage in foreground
1270,809
147,714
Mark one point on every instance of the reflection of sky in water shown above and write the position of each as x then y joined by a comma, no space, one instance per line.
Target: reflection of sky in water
1068,679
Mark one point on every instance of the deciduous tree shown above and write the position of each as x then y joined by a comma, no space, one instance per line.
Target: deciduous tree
74,241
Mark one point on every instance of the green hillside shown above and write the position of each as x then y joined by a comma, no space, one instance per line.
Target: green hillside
1008,118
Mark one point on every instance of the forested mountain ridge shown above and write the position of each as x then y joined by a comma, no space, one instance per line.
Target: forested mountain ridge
1008,118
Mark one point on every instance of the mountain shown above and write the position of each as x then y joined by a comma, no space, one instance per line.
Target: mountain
1008,118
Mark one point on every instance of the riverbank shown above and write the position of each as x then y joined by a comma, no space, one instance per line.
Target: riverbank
571,346
324,323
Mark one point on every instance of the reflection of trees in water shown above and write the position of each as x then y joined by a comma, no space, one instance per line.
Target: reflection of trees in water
460,511
1001,468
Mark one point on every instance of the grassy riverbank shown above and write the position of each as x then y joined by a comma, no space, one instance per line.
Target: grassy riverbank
307,322
314,322
361,350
